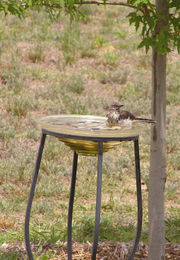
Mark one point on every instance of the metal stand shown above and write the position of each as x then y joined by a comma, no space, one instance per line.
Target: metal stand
98,194
71,201
139,199
31,195
98,200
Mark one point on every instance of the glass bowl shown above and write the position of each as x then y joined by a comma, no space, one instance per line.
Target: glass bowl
74,127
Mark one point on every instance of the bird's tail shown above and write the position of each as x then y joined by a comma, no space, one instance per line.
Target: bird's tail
146,120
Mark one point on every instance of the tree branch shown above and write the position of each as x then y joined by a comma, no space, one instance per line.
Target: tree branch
88,2
105,3
93,2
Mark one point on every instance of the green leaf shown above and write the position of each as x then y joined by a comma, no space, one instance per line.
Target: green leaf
61,3
174,3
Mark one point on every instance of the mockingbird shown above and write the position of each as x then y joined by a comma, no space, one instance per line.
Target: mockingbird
117,116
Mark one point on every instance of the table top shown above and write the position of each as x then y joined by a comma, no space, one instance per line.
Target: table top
87,125
82,132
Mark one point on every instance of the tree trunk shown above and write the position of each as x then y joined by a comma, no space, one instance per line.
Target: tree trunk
158,149
157,168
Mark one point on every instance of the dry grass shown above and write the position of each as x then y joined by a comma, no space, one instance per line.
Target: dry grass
82,251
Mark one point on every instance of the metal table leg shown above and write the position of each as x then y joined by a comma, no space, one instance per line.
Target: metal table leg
31,195
139,199
98,200
71,201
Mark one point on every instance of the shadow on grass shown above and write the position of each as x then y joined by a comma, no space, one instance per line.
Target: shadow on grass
108,231
11,256
173,230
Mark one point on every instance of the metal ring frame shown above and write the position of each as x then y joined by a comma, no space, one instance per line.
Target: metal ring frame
100,141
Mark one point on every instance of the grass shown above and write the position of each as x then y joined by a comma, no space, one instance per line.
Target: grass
36,54
80,68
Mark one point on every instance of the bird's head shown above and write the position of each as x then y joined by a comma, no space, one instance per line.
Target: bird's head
115,106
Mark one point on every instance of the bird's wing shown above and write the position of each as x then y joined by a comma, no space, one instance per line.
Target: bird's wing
123,114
